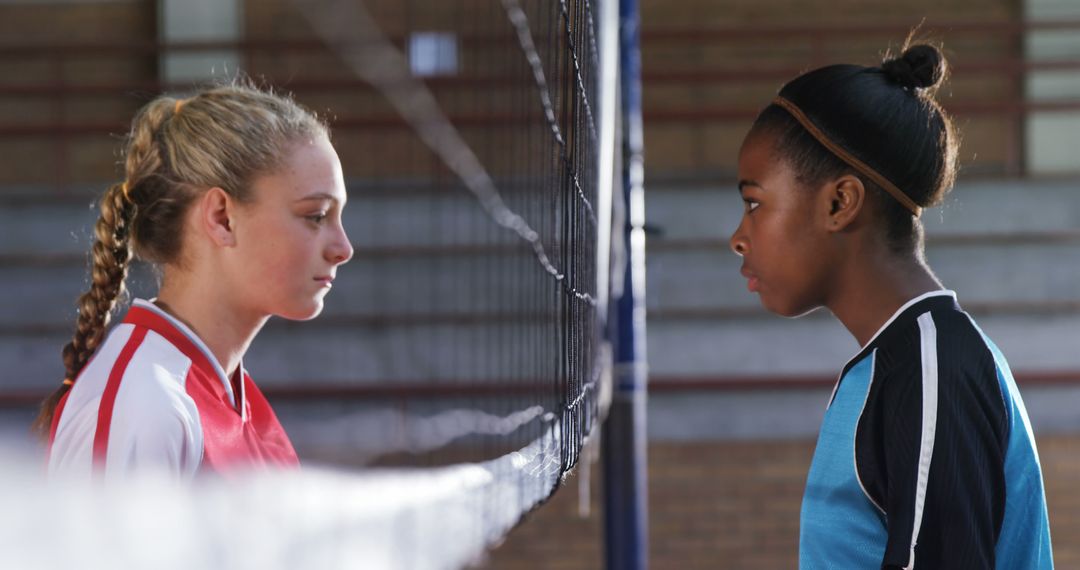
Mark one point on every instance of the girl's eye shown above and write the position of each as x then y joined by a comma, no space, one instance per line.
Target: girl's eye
317,218
751,205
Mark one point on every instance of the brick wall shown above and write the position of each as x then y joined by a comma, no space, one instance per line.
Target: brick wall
736,505
44,158
705,145
689,146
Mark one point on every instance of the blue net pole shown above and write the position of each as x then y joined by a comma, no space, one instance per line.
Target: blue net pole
625,488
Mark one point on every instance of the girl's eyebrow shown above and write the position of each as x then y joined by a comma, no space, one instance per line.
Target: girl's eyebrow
318,196
745,183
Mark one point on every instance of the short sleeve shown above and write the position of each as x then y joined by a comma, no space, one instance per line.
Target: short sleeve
941,452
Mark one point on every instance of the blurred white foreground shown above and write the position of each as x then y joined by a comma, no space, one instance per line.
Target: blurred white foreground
312,518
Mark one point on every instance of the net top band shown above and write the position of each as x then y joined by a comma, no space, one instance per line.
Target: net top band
847,157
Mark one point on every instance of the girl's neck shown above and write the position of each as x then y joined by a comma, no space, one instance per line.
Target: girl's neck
225,331
871,290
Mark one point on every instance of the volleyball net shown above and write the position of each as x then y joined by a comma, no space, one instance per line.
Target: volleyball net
475,290
461,368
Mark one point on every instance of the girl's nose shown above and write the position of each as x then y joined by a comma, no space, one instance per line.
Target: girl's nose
341,250
738,243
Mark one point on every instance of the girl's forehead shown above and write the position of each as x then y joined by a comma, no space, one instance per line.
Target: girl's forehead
758,153
308,170
758,139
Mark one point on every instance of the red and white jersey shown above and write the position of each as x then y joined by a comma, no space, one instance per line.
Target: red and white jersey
153,397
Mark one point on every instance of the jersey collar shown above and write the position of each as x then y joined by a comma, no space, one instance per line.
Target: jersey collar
905,307
147,314
867,348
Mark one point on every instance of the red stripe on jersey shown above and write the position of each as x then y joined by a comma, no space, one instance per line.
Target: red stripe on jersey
108,398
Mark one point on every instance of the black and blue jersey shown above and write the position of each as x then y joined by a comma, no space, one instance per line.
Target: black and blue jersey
926,457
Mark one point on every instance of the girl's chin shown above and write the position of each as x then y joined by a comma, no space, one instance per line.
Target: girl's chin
787,310
303,313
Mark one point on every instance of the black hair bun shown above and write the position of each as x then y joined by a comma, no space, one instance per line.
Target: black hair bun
919,67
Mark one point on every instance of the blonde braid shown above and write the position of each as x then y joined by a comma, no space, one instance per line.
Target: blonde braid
110,255
109,266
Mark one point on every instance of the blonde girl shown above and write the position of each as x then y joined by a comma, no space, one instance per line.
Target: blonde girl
236,195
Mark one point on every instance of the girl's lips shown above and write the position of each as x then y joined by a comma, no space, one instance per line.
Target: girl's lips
751,280
325,281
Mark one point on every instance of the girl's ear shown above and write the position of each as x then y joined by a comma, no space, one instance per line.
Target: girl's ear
215,214
842,200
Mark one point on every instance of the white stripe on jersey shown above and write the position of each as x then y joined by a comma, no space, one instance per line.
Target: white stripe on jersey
155,424
928,336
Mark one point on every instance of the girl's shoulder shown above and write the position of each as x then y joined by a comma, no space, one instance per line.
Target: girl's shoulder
942,340
134,388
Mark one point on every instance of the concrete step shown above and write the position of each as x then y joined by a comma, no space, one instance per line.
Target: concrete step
295,353
416,285
679,280
797,413
982,273
818,344
454,218
713,212
371,220
345,347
